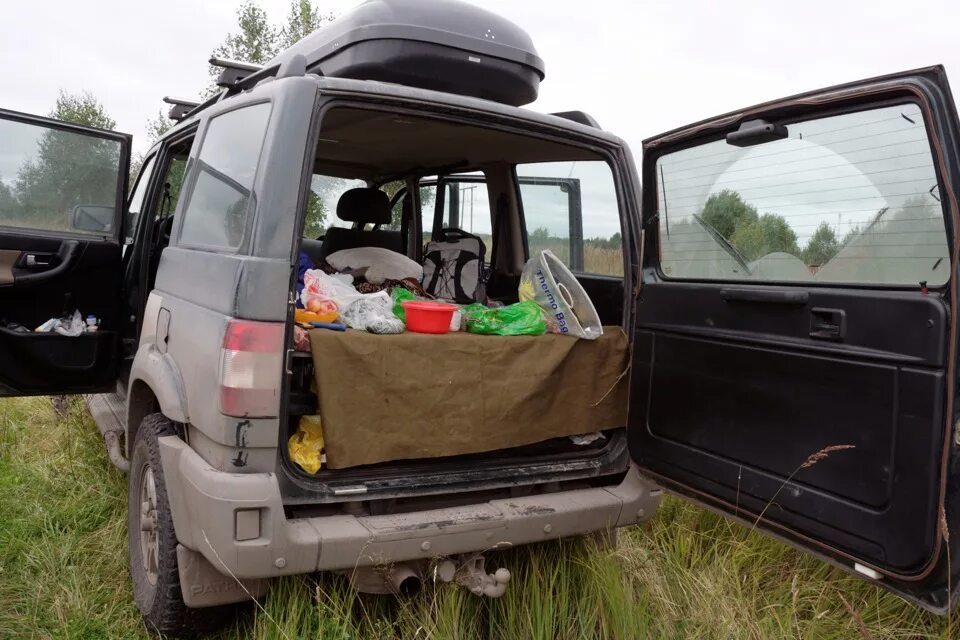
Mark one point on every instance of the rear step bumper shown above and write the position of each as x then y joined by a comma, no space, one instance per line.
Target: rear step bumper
238,523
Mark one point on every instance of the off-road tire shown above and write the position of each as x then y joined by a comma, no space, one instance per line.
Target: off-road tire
161,604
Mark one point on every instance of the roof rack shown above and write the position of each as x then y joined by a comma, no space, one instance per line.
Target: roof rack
233,70
235,77
181,107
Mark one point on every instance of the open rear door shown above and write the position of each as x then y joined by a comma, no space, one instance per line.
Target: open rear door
62,190
795,335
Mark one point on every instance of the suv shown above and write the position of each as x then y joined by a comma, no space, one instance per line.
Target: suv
809,392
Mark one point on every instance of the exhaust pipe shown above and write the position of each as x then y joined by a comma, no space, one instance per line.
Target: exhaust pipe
399,579
404,581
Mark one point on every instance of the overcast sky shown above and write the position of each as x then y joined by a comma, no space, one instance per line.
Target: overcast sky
638,67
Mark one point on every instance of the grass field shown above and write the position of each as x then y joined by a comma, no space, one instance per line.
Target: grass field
688,574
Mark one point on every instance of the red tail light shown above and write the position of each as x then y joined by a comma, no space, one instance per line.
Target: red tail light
251,369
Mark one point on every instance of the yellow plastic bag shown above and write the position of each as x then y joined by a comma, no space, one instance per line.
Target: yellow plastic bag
306,445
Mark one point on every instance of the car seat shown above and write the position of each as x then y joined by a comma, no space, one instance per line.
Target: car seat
361,206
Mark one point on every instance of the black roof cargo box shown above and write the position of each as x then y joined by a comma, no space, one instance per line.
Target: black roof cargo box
444,45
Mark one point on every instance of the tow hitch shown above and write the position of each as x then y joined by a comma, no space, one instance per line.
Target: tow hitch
473,577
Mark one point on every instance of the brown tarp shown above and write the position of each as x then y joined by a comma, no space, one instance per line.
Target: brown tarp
395,397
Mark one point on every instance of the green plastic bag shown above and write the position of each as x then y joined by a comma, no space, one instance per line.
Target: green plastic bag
400,295
520,319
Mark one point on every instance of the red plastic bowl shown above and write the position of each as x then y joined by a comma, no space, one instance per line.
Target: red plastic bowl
428,317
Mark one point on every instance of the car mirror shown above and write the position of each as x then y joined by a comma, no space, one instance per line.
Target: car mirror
92,217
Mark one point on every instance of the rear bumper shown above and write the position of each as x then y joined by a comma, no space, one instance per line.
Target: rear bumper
214,511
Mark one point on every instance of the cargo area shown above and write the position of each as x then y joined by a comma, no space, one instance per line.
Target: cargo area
507,231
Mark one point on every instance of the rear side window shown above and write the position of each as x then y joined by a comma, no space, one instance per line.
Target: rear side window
218,205
571,209
851,198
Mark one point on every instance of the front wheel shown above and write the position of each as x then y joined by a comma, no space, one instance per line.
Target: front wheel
153,544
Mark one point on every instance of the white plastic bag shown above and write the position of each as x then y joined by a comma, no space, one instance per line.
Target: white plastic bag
566,305
373,313
70,326
335,288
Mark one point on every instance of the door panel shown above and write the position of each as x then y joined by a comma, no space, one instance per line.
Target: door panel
767,396
794,334
62,188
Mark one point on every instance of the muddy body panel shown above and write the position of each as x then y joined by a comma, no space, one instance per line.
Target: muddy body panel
212,510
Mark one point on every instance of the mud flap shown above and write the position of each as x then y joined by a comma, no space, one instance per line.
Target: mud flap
203,586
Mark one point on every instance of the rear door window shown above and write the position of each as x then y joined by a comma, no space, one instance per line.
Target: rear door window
571,209
850,198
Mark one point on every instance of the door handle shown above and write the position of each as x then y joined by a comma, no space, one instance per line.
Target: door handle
828,324
69,251
34,260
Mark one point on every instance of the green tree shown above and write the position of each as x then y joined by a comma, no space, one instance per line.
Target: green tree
158,126
539,236
8,203
822,246
315,225
392,188
69,169
303,18
322,190
82,108
755,238
726,210
256,41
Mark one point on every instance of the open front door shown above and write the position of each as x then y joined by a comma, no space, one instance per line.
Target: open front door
62,190
795,335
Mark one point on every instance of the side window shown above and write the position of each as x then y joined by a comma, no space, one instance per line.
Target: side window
571,209
135,207
851,198
218,204
428,202
54,179
466,206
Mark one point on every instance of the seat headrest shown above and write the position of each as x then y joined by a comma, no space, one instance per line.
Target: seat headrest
364,205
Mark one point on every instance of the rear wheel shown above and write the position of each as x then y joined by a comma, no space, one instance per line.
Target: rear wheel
153,544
